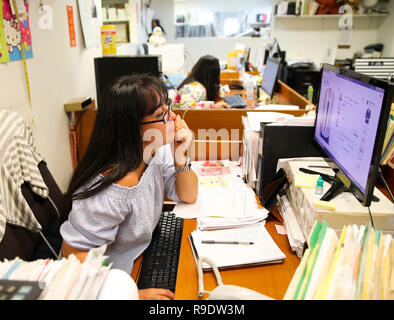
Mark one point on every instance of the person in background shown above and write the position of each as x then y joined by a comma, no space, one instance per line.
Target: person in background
156,23
201,88
116,192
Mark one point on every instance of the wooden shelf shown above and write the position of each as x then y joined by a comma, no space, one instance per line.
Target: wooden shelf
116,21
332,16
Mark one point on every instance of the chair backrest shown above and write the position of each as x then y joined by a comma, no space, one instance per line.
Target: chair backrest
50,213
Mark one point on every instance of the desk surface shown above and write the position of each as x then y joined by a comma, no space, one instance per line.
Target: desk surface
270,279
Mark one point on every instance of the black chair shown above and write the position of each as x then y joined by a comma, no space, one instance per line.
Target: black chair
50,213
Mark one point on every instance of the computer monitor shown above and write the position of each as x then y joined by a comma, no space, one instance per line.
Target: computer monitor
108,69
270,76
351,123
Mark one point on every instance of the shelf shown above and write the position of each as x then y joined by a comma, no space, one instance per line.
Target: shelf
317,16
116,21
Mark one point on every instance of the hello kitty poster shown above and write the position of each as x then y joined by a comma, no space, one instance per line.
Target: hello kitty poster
4,57
17,35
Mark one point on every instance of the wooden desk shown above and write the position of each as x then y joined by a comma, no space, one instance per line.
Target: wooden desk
270,279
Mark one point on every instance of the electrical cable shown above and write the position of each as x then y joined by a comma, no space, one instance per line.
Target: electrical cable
370,215
385,184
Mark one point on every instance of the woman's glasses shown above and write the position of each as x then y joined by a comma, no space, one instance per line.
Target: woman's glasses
166,116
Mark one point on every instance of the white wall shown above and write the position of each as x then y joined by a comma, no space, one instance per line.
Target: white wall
251,7
57,73
301,38
311,37
197,47
386,32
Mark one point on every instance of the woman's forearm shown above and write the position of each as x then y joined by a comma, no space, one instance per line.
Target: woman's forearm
187,186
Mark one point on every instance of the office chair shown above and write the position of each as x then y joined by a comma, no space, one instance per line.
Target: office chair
50,213
48,208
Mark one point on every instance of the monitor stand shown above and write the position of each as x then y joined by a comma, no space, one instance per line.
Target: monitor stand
337,187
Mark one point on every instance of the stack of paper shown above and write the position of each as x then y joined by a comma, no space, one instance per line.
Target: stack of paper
255,118
294,232
215,223
224,201
65,279
249,157
263,250
358,265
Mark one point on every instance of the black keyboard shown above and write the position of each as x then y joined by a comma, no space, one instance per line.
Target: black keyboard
160,260
235,101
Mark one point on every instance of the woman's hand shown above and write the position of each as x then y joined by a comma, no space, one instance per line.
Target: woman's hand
221,105
156,294
183,140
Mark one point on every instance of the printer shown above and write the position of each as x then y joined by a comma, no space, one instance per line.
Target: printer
300,76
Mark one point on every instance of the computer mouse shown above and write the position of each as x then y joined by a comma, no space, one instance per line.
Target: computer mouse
232,292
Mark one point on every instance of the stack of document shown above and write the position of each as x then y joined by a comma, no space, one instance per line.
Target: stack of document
357,265
65,279
236,247
249,157
222,208
294,232
216,223
228,210
224,201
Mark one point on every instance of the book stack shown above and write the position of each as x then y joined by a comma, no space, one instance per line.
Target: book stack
65,279
357,265
388,144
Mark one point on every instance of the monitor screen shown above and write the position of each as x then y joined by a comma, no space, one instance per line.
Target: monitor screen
108,69
270,75
348,121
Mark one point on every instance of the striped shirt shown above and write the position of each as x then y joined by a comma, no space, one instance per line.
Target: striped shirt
123,217
19,164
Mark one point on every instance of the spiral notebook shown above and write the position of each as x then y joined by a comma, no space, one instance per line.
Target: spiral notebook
263,250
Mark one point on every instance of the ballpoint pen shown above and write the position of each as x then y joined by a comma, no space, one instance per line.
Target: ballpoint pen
225,242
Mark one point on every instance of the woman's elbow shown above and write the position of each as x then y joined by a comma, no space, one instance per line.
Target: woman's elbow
192,200
189,198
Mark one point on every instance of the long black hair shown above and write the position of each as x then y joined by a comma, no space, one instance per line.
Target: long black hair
207,72
116,141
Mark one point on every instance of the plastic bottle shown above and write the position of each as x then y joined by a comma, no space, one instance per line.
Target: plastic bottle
310,93
258,88
108,40
319,186
249,89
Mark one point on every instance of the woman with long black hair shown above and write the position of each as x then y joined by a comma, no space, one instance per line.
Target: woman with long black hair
116,192
201,87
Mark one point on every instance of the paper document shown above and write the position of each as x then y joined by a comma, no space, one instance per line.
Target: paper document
263,250
254,118
276,107
229,202
305,180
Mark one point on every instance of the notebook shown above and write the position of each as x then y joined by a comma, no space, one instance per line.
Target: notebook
263,250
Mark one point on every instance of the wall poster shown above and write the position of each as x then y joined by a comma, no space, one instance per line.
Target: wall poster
15,35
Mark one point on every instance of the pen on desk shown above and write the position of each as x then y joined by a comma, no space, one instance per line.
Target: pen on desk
225,242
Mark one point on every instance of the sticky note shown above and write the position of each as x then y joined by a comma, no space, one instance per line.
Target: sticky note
328,205
280,229
305,180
